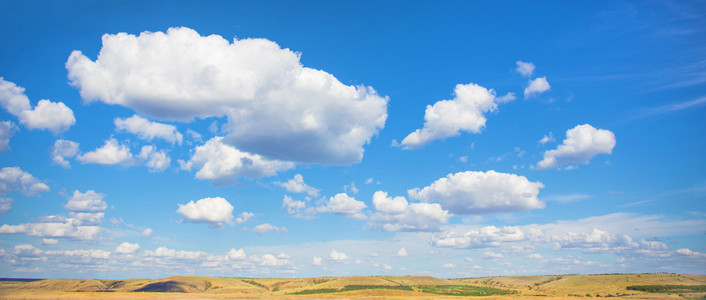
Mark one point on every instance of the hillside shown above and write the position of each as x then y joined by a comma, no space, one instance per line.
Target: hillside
631,286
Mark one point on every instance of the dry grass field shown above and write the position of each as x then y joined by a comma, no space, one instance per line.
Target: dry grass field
366,287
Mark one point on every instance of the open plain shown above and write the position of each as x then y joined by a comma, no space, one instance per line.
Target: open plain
629,286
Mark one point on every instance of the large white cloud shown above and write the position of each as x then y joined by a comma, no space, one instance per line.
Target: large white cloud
7,130
481,193
111,153
149,130
485,237
53,228
89,201
14,179
537,86
448,118
582,143
275,107
53,116
224,164
396,214
216,211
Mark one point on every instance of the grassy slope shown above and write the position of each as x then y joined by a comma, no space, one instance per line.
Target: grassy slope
220,287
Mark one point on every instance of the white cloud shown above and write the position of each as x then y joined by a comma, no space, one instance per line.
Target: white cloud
582,143
147,232
402,252
13,98
175,254
7,130
270,260
244,217
110,153
63,149
338,256
46,241
389,205
13,179
27,251
297,185
224,164
395,214
149,130
535,256
316,261
448,118
156,161
5,204
53,116
236,254
525,68
537,86
492,255
350,188
264,228
127,248
448,266
275,107
81,253
602,241
485,237
67,228
547,138
87,218
344,205
216,211
89,201
481,193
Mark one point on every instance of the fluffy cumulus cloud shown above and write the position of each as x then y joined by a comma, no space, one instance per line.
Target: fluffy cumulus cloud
275,107
537,86
343,204
448,118
244,217
222,163
7,130
89,201
215,211
298,209
155,160
54,227
336,256
111,153
582,143
477,193
603,241
127,248
396,214
525,68
485,237
149,130
297,185
14,179
53,116
62,150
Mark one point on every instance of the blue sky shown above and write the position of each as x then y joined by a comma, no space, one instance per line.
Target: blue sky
295,139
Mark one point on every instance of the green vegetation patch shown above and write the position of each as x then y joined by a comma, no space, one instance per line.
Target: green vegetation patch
463,290
668,288
354,288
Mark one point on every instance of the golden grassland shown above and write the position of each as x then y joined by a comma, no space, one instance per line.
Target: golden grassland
356,287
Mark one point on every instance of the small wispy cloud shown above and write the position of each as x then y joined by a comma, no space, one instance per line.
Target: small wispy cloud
670,108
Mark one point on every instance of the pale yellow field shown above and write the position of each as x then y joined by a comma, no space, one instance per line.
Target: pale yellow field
181,287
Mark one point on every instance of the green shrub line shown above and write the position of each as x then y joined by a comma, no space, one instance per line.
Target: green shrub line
668,288
448,290
353,288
